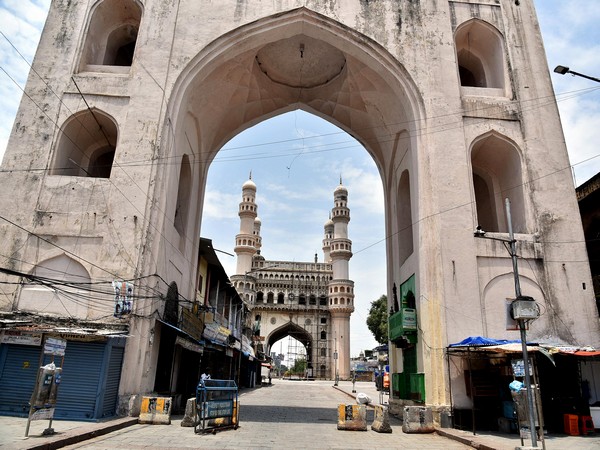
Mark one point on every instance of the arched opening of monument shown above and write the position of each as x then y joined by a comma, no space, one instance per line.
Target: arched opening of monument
296,160
294,66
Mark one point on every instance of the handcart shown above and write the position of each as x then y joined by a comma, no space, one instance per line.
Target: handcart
216,405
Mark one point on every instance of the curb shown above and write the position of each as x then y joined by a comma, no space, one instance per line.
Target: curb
79,434
464,440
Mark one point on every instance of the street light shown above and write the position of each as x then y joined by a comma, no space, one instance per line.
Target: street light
564,70
335,361
522,309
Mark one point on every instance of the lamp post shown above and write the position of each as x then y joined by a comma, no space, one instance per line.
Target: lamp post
335,361
523,309
564,70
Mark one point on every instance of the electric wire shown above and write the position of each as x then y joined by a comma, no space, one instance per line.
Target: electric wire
337,149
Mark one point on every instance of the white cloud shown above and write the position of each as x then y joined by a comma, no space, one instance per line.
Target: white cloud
219,205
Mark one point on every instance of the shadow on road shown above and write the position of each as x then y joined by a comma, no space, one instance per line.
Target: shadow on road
291,414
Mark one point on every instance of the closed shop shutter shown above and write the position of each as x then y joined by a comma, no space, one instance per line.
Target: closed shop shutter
18,371
80,384
113,378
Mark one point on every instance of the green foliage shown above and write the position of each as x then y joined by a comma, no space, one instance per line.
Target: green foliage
299,366
377,320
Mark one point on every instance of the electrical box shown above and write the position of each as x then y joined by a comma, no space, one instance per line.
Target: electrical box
525,308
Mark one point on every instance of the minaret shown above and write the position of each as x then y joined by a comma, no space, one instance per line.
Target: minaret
341,288
328,235
248,241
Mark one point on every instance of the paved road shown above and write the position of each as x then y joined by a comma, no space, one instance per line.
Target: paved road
288,414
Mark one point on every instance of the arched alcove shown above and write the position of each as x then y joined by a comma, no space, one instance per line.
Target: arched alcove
66,283
111,36
497,174
86,145
182,206
480,55
405,226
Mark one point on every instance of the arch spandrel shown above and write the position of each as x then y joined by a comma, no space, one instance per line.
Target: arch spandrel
372,97
288,329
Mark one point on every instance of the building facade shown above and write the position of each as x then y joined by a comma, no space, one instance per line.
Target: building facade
104,176
309,301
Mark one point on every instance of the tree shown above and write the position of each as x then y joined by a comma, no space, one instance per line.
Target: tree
299,366
377,321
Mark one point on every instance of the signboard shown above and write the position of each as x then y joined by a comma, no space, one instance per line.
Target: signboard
518,368
409,319
191,324
123,297
218,408
191,346
20,338
43,414
55,347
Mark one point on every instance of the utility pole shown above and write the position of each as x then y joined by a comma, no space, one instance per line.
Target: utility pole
522,309
522,328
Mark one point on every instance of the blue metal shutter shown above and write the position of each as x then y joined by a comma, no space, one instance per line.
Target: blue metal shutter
113,377
80,384
17,377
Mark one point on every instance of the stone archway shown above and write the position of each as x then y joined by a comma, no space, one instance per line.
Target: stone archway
295,331
346,79
295,60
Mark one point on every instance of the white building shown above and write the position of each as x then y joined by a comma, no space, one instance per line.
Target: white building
309,301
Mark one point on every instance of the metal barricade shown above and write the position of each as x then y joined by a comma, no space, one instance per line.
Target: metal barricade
216,405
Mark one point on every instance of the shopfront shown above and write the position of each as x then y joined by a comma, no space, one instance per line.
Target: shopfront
90,376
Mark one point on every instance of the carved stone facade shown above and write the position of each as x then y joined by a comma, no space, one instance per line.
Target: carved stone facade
309,301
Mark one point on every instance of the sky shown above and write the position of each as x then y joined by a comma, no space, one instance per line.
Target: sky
297,159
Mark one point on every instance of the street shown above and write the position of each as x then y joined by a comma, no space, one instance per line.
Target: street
287,414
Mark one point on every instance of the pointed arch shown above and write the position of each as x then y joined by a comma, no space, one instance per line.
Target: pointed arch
65,290
182,206
293,330
480,55
111,36
497,174
86,145
404,211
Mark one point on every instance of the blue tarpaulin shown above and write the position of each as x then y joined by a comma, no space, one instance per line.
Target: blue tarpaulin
481,341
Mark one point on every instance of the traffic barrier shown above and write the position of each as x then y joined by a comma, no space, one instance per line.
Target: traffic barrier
156,410
352,417
189,418
381,423
418,419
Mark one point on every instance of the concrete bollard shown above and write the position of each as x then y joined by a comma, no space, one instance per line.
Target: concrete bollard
352,417
381,423
156,410
189,418
418,419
